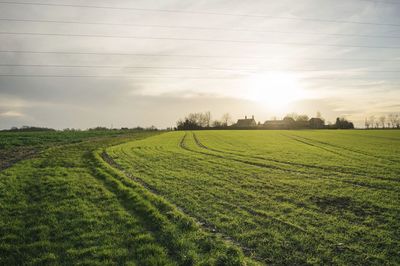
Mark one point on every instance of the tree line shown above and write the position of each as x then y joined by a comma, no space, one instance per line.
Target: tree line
196,121
99,128
342,123
203,120
384,121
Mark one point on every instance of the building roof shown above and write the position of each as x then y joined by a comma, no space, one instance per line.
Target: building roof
316,119
247,122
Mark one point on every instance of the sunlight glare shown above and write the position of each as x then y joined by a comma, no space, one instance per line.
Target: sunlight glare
274,89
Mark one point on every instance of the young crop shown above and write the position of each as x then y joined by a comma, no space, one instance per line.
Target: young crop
283,197
201,198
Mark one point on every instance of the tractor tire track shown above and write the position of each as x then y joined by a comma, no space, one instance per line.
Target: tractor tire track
371,136
360,184
365,174
183,146
244,209
327,178
260,213
263,158
264,218
348,149
204,224
247,209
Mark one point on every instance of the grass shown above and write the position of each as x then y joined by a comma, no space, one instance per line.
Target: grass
68,206
15,146
283,197
201,198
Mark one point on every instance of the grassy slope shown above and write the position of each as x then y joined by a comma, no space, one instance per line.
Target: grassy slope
15,146
67,206
286,197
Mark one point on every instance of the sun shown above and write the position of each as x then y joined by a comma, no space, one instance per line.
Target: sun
274,89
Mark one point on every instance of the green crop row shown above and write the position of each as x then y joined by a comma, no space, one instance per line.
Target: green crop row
283,197
68,206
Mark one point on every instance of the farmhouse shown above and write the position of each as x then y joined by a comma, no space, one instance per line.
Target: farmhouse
316,123
290,123
245,123
286,123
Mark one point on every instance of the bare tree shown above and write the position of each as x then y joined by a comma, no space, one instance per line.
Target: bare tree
217,123
202,120
292,115
382,120
372,120
392,119
207,118
226,119
194,118
195,121
367,123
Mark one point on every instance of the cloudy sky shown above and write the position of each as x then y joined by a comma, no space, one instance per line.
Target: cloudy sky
66,63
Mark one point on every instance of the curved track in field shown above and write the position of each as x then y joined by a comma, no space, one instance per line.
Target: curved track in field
204,224
260,213
195,176
294,164
322,144
253,211
222,154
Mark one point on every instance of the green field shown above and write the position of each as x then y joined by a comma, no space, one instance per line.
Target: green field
284,197
68,206
15,146
203,198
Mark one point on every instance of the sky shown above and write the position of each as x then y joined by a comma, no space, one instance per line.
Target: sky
81,64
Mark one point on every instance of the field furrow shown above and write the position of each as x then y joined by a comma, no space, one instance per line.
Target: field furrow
325,172
310,212
68,206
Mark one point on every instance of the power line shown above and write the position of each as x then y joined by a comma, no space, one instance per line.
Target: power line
178,77
197,28
202,13
194,56
197,40
381,2
112,76
193,68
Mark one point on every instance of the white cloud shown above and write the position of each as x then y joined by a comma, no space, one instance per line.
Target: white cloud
11,114
342,83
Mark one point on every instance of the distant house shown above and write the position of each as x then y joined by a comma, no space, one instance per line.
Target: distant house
274,124
246,122
316,123
286,123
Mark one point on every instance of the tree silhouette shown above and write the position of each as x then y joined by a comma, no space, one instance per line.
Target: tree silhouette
226,119
382,120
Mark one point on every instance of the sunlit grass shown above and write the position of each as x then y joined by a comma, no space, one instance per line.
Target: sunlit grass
286,197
